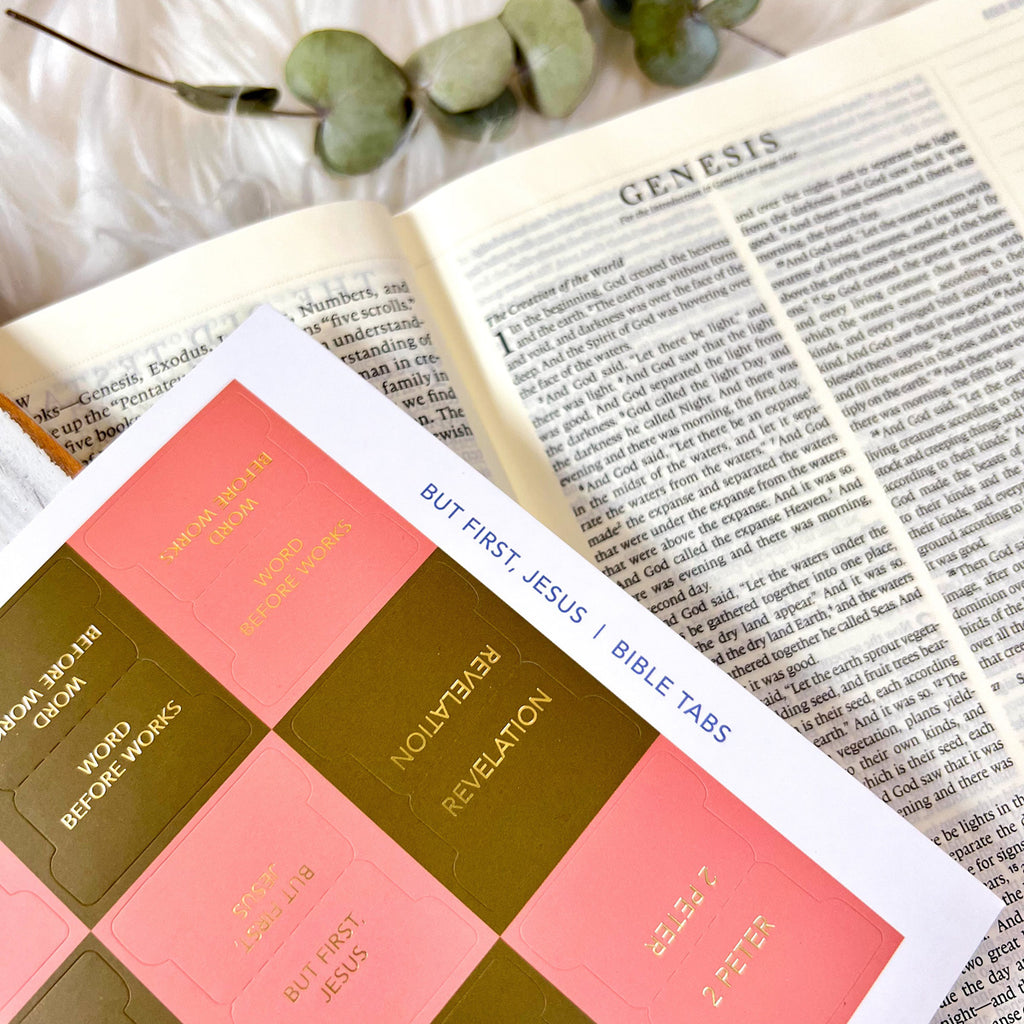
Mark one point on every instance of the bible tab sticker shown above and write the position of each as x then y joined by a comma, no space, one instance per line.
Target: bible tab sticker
302,720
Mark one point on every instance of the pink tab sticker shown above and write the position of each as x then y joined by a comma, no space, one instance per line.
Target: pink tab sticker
679,901
284,896
253,550
38,933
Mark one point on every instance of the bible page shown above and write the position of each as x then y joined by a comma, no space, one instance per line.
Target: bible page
87,367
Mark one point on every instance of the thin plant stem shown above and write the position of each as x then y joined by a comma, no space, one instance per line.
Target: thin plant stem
87,50
758,43
127,68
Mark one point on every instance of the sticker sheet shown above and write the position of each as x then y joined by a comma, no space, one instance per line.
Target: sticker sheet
300,720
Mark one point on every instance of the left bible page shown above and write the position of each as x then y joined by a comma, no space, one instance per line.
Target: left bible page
87,367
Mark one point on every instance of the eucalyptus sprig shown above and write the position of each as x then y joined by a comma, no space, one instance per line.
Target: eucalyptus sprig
676,41
467,82
463,81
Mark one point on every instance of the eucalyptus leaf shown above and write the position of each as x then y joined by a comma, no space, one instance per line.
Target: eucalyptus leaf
466,69
239,99
674,46
728,13
618,12
361,95
490,123
659,18
557,49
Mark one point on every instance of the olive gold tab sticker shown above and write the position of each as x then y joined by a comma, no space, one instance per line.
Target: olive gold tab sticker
468,737
62,653
109,789
93,987
252,549
505,989
120,737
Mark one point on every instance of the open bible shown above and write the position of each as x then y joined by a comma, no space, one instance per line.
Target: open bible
755,351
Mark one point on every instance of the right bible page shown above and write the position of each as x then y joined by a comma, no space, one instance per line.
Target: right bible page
759,352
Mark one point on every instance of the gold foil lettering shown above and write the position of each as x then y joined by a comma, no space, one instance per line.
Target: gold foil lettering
277,563
50,676
740,956
334,955
19,711
255,892
239,484
287,584
130,752
59,700
271,910
203,519
458,690
66,661
709,992
679,914
526,716
232,520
